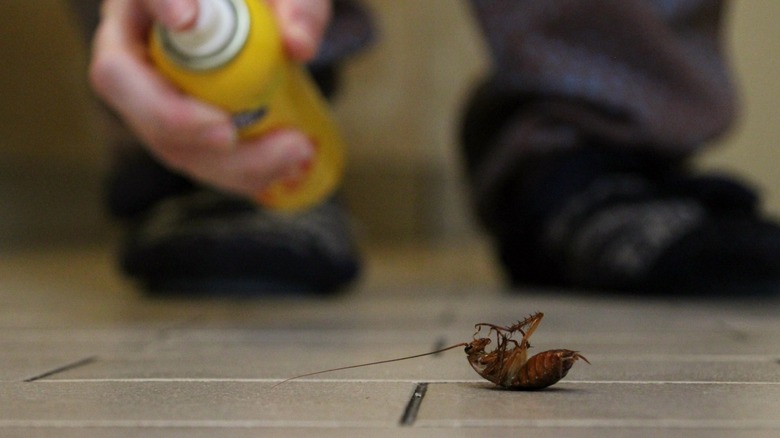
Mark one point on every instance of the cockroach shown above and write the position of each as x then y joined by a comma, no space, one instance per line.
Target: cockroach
507,365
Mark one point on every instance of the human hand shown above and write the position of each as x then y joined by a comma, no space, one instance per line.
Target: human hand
188,135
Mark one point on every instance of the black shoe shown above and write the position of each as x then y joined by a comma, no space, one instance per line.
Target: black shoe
205,242
608,222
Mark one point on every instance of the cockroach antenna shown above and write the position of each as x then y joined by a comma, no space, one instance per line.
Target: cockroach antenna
462,344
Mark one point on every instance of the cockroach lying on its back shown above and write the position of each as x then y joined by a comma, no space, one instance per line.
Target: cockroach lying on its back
507,365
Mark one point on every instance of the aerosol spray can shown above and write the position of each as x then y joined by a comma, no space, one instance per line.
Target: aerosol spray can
233,58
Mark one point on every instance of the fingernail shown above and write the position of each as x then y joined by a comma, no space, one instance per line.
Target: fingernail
303,41
179,13
302,153
300,167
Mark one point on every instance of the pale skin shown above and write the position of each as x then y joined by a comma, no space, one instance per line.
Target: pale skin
188,135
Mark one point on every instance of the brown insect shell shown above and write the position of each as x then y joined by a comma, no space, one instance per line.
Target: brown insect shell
543,370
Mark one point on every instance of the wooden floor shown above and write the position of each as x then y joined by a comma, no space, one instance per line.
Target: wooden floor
84,354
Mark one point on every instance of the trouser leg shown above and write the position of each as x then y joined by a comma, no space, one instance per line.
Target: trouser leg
629,75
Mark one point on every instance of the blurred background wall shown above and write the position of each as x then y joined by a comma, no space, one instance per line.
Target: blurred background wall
399,109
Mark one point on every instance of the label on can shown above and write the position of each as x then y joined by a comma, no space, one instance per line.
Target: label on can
246,119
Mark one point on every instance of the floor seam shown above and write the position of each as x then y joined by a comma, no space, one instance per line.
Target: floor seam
413,407
66,367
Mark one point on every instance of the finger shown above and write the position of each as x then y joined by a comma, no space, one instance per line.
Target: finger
303,24
254,164
173,14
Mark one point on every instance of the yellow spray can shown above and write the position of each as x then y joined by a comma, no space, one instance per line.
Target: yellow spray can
233,58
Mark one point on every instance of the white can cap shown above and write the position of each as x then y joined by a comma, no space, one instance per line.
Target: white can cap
216,37
213,30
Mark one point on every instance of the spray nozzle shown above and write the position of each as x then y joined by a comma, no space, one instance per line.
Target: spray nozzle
219,33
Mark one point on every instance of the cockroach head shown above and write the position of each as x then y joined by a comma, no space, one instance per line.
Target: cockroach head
477,345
